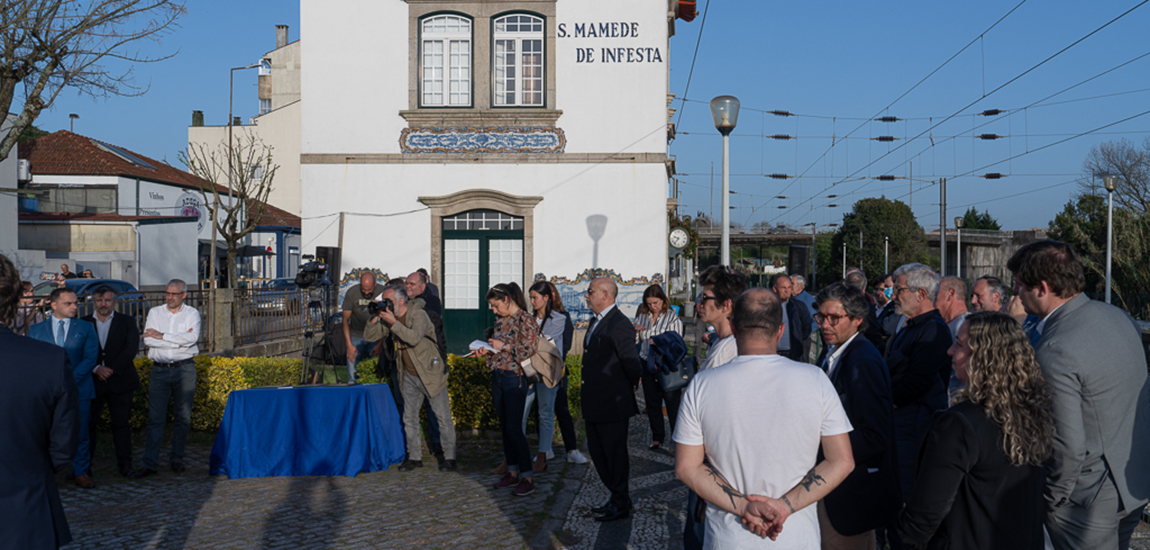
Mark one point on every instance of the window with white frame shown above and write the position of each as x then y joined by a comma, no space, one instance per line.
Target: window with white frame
265,106
518,61
446,61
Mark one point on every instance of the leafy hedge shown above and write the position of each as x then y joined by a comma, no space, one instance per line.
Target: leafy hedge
469,387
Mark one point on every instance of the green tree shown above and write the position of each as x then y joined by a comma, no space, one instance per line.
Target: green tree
1082,223
876,219
30,133
973,220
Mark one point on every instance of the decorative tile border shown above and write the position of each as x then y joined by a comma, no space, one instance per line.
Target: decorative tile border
351,278
571,291
482,140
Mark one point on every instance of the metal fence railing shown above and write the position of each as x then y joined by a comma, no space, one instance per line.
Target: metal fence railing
262,314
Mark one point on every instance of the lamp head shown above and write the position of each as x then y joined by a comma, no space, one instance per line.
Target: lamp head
1110,181
725,113
958,222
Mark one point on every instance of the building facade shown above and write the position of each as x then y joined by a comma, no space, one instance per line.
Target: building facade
488,141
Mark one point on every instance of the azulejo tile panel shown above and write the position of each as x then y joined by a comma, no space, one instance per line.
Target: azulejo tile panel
483,140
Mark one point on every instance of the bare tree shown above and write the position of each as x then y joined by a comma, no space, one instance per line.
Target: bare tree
1126,159
247,171
49,45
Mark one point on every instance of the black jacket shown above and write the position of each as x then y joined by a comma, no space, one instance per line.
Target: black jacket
40,405
800,325
610,370
119,354
966,492
870,496
917,360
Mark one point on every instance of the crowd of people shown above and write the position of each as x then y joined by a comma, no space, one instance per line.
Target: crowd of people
881,413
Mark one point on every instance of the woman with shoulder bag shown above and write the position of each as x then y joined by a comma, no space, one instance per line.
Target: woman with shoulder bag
551,325
655,318
514,341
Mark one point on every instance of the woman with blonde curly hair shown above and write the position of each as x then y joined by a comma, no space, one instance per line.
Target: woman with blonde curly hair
979,479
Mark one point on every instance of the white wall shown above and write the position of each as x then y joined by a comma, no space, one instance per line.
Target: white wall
167,251
9,206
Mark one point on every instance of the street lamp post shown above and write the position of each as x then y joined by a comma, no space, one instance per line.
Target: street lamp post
725,114
1111,183
958,251
886,254
844,259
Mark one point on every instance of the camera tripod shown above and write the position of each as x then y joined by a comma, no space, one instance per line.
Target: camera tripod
316,318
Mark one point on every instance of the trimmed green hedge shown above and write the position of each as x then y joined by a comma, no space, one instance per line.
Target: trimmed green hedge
469,387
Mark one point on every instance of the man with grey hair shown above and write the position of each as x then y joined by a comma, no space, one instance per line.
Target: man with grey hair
918,362
799,292
988,294
951,303
422,372
170,334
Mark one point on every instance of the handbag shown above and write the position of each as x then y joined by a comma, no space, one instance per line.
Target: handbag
669,360
545,364
680,376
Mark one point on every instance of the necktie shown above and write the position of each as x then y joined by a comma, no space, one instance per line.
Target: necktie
60,333
590,329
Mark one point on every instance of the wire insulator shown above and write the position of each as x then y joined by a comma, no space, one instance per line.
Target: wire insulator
992,112
777,176
885,178
781,137
993,176
887,119
990,136
884,138
781,113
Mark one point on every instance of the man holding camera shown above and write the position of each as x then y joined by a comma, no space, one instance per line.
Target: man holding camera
422,372
355,316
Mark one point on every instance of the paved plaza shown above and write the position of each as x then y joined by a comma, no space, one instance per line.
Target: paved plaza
425,508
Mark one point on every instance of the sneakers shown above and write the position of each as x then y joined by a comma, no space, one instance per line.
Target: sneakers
525,487
409,465
576,457
508,480
550,455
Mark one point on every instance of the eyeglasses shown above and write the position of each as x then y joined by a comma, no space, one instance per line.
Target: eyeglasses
831,319
899,289
173,293
705,298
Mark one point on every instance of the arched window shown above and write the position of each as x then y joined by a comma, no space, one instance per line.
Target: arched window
445,50
517,70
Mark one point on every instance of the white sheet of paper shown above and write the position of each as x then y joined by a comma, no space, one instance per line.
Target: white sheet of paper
480,344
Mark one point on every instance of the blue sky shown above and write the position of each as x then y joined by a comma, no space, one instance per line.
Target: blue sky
833,63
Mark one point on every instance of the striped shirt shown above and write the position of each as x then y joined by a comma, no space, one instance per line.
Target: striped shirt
666,322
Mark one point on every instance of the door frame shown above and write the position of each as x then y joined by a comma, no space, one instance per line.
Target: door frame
486,316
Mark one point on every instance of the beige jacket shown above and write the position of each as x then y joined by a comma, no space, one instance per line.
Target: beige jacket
418,338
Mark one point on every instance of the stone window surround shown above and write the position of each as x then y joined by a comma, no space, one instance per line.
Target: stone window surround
481,199
482,112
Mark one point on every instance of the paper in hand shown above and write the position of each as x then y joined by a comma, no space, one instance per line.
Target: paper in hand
480,344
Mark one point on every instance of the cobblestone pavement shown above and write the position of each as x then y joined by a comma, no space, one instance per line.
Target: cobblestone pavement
422,509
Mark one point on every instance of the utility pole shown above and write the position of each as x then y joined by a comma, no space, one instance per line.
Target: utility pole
844,259
942,227
886,254
860,250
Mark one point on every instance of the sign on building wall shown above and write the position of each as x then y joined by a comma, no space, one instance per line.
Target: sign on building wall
573,291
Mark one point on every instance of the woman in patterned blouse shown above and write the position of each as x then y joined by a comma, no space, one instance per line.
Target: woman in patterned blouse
655,318
514,341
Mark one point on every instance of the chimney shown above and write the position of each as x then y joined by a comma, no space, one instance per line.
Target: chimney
197,118
281,36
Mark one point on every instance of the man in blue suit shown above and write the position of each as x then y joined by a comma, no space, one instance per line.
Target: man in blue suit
38,430
79,339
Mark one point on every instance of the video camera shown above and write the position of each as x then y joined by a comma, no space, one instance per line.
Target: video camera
312,273
374,307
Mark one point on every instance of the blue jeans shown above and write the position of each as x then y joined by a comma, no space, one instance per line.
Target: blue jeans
363,351
82,462
509,392
546,413
178,385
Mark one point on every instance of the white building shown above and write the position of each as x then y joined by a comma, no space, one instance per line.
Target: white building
488,141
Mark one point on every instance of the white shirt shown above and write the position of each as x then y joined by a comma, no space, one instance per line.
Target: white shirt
721,353
666,322
836,353
760,419
594,324
102,328
181,331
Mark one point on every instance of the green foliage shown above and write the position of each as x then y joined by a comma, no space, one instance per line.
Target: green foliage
876,219
973,220
1082,223
30,133
469,387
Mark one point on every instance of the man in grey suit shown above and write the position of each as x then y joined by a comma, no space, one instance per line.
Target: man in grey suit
1098,477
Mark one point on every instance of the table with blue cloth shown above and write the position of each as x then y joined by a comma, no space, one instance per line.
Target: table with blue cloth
308,431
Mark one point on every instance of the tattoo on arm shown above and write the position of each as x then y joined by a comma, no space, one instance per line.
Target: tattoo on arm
788,503
722,483
812,479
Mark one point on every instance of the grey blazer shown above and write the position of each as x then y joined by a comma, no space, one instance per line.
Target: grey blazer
1091,355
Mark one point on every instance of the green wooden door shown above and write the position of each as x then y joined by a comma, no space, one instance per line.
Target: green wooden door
481,248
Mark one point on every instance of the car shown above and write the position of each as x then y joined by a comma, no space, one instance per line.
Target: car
129,300
277,296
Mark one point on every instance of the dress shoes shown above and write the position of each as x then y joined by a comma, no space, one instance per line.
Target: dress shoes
125,470
448,465
178,467
84,482
141,473
409,465
613,513
600,510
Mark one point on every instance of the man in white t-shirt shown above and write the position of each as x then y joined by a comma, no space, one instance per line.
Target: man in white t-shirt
760,421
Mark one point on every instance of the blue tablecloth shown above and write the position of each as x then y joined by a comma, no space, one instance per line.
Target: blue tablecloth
308,431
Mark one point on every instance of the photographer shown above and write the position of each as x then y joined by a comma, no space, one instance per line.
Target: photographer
422,372
355,316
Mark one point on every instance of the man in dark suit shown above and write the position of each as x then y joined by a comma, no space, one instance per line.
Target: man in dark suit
869,497
610,375
83,346
1098,475
796,320
39,428
115,376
